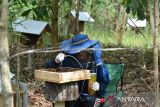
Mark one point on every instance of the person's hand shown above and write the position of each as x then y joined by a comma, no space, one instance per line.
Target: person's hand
95,86
59,58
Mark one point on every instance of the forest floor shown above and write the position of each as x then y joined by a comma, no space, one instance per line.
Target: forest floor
138,75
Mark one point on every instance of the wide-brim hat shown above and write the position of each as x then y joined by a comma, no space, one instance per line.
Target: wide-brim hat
77,44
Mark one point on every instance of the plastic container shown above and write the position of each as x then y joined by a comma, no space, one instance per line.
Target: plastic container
92,79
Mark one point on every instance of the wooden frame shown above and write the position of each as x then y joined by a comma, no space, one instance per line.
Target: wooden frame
62,77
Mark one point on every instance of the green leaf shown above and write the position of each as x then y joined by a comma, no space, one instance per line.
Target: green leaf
128,10
137,7
129,2
24,2
0,2
26,13
140,14
34,15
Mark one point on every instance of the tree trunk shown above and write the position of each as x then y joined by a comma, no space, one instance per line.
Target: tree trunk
54,22
122,28
69,24
155,44
4,55
77,17
154,24
117,27
150,12
117,13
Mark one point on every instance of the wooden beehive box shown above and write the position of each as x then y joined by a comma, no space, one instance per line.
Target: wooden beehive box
62,75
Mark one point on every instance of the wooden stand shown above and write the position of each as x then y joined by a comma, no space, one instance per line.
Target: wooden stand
62,84
61,92
59,104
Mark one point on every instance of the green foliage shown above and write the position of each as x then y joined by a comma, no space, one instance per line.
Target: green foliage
137,7
0,7
103,12
36,9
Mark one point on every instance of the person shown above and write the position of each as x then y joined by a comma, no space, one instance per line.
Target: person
76,48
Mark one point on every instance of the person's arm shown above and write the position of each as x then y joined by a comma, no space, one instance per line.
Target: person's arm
55,62
102,90
102,78
102,74
101,70
50,64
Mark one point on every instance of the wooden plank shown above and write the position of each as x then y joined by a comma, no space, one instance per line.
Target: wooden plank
62,92
62,77
59,104
75,76
47,76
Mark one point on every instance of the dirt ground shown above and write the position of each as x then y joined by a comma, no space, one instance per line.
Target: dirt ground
38,100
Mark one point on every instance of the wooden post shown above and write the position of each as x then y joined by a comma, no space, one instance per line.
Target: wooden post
17,83
29,60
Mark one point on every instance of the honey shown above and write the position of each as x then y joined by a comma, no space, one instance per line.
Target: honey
92,79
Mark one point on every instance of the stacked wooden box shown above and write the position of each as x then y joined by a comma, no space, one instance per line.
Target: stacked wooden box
64,81
69,75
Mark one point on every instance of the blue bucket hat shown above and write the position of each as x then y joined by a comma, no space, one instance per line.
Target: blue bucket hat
77,44
81,42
